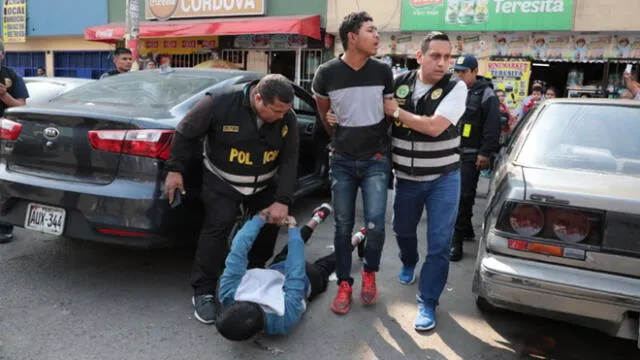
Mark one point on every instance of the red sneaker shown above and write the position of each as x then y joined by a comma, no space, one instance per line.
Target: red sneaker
369,292
342,302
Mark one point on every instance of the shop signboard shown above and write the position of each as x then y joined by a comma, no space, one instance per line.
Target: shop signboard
174,9
487,15
278,41
14,21
513,78
185,45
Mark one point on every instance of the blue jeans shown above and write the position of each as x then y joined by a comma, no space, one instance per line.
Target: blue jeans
372,176
440,199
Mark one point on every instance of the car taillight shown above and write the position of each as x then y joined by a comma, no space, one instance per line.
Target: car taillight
549,222
9,130
569,225
527,219
148,143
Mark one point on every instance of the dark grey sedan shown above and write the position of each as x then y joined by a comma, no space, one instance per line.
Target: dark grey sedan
90,163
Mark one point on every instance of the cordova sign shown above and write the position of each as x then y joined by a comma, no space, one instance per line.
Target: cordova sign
166,9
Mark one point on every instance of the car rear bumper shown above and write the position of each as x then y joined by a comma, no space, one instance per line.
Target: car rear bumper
146,219
603,301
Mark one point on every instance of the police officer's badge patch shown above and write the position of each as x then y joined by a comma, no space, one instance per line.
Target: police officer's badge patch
402,91
7,82
435,95
285,130
230,128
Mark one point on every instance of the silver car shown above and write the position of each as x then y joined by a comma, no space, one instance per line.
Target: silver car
561,233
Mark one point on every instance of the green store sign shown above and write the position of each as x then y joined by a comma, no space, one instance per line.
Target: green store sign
487,15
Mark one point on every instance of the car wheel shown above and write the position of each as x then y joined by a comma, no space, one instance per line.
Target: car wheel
485,306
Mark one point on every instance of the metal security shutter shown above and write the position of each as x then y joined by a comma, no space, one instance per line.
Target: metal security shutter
25,63
82,64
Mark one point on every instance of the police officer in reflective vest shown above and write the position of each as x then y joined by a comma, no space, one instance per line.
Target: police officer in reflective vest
427,106
251,156
480,131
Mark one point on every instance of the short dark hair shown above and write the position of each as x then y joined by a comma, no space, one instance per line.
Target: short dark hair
500,91
352,24
434,35
537,88
240,321
554,89
120,51
275,86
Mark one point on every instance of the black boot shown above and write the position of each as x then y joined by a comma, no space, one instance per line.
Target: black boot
455,253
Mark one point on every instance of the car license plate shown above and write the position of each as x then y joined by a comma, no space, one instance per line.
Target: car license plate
46,219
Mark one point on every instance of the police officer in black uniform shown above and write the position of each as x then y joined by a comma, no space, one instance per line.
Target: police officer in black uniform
13,92
123,60
480,138
251,156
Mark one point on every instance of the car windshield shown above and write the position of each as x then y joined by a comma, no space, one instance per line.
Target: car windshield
591,137
147,88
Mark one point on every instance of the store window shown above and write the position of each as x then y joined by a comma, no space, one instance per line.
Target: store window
25,63
82,64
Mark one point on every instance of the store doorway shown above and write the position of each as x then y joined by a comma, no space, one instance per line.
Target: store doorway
570,78
283,62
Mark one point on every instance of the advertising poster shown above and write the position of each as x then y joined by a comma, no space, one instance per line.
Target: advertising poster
590,47
468,43
14,21
626,46
513,78
487,15
516,45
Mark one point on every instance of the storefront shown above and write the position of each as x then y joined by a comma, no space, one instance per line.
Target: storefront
51,37
243,36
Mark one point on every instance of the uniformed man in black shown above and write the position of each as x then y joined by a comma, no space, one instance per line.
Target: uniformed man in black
13,92
123,60
251,155
480,138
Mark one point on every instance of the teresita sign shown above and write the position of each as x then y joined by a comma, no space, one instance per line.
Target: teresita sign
167,9
487,15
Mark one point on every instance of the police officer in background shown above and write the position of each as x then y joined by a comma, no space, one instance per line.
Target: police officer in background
123,60
251,156
13,92
480,138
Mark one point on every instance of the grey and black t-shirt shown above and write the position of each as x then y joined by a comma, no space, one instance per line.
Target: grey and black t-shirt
357,98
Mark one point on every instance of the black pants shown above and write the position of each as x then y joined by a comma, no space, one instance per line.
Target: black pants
221,211
469,176
318,272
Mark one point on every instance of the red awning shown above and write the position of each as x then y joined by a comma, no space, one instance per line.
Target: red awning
307,25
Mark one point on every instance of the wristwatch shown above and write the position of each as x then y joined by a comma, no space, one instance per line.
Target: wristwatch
396,114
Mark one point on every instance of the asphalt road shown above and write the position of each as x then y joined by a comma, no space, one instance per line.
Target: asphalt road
66,299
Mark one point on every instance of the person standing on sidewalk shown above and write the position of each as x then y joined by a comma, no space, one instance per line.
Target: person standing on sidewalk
427,106
13,92
480,130
353,86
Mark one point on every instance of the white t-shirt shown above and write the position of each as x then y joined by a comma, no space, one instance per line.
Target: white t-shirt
452,106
